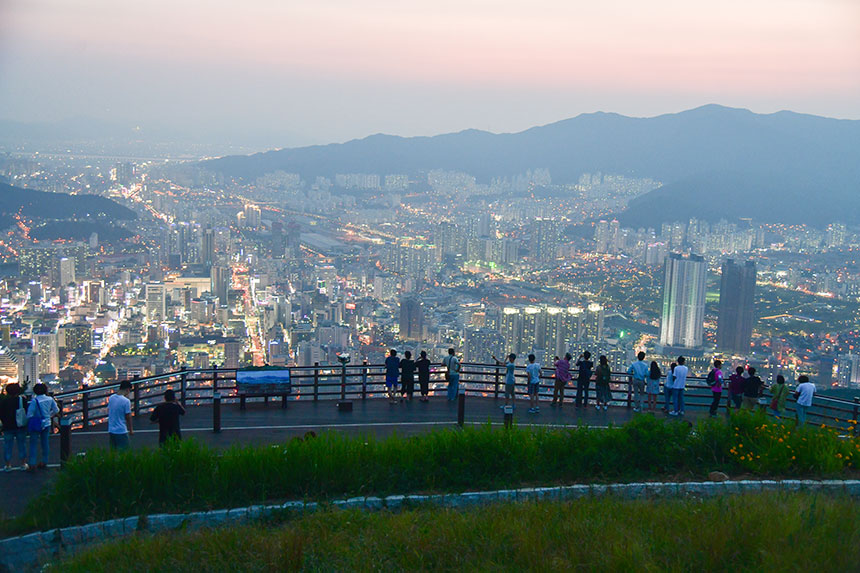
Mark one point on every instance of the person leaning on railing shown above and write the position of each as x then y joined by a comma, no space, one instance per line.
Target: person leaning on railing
40,421
13,416
603,376
510,381
779,393
753,390
562,377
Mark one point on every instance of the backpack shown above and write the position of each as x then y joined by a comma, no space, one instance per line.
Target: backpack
34,424
21,413
712,377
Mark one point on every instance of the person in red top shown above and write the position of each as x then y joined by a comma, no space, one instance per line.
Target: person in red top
736,387
715,381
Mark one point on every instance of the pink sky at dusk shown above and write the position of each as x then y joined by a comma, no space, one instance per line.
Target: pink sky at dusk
544,60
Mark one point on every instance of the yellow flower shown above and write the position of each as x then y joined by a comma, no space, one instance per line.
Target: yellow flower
780,440
792,457
740,445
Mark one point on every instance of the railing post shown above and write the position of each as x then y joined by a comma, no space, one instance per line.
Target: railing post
85,405
183,385
856,413
65,439
136,390
60,407
214,379
343,382
316,380
496,392
509,416
364,380
629,392
461,407
728,404
216,412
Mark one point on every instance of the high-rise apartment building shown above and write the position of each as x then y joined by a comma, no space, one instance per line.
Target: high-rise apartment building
156,309
683,316
67,271
411,319
220,279
737,298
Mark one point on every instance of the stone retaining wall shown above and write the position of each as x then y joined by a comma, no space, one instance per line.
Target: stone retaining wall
28,552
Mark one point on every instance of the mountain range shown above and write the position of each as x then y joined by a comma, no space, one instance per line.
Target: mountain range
713,161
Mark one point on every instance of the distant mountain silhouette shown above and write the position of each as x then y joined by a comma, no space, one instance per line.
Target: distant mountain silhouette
713,160
41,205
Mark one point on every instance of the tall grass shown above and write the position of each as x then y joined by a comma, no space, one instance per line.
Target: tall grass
188,475
763,532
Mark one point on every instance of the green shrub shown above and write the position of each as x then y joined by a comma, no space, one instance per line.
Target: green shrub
186,476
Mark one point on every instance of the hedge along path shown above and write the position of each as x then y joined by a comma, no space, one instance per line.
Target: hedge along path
190,476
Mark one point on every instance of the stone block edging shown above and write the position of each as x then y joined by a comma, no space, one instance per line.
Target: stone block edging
28,552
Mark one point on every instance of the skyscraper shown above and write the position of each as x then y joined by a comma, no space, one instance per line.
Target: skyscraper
682,319
737,297
220,278
155,302
411,319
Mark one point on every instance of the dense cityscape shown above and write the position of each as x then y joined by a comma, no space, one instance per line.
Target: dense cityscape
206,270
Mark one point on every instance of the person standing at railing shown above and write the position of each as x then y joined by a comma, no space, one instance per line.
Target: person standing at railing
510,380
120,425
423,367
679,383
653,387
603,376
392,374
715,381
779,393
638,372
736,387
452,373
803,394
562,377
13,416
407,375
667,388
585,368
753,389
40,421
533,372
167,416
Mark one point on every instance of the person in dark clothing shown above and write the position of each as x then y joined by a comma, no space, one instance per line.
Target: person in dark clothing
392,375
10,403
167,415
407,375
736,387
753,388
585,367
423,367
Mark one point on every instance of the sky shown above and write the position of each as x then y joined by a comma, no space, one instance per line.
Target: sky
283,73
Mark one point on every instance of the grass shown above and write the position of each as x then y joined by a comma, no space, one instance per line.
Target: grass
756,532
189,476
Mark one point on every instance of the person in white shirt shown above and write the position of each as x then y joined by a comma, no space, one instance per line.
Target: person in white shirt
452,371
803,395
679,381
119,417
533,372
40,417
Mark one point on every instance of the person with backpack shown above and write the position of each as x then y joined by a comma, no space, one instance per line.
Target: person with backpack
779,393
603,376
40,420
13,416
452,372
715,382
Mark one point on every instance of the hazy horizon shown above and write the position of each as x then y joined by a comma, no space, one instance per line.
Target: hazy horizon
289,75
